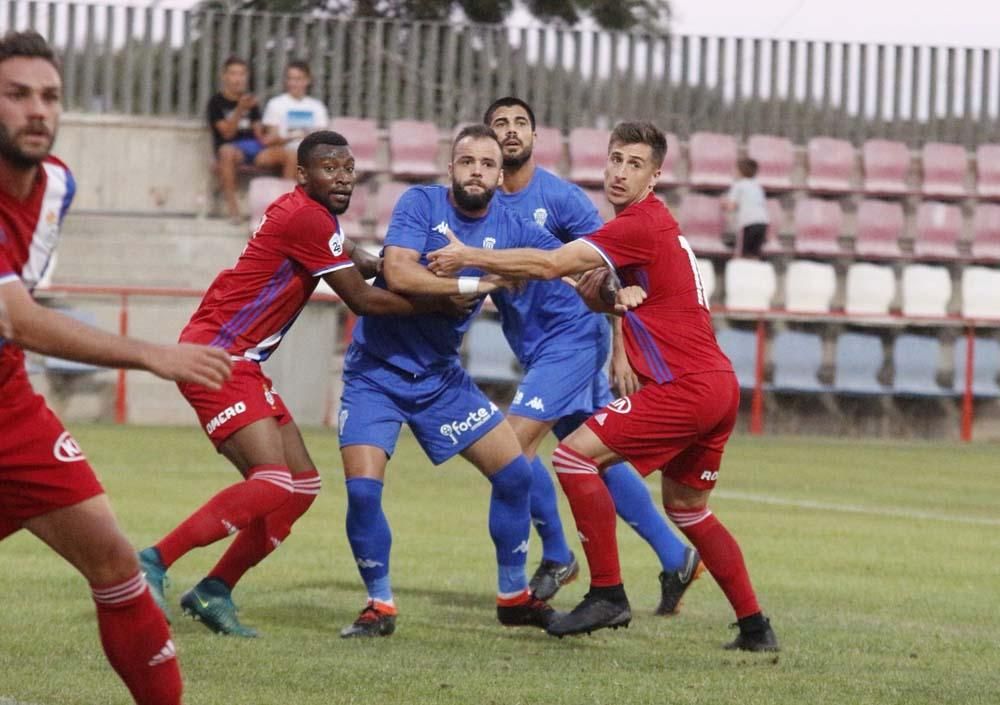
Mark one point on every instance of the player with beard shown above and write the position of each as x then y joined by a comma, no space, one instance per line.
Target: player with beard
246,311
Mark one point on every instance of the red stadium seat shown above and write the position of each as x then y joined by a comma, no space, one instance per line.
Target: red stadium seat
880,225
775,157
988,170
819,224
385,201
712,159
702,224
668,172
354,222
262,191
588,153
939,227
887,165
775,226
831,165
362,135
413,149
548,150
986,233
604,207
944,167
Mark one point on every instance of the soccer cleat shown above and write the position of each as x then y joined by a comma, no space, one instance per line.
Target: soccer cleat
155,574
531,613
601,608
211,603
550,576
674,584
755,635
371,622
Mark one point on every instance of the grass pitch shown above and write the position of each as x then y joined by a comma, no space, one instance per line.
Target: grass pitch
878,564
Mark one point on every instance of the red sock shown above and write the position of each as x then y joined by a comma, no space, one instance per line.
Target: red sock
265,534
594,512
721,555
137,642
266,488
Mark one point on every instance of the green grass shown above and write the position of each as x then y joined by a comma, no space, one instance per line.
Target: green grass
884,590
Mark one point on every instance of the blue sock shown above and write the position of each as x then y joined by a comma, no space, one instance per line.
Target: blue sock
369,535
635,505
545,514
510,524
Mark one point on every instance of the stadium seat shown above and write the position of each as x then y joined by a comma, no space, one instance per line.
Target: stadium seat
707,271
926,290
413,149
939,227
915,361
985,366
986,233
830,165
880,225
548,149
988,171
809,287
773,244
262,191
944,169
740,347
489,359
588,154
818,226
870,289
702,223
354,220
981,293
749,285
859,360
886,167
600,201
797,358
775,157
362,135
712,160
668,172
385,200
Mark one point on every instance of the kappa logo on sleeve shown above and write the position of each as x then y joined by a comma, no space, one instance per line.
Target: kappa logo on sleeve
621,406
66,449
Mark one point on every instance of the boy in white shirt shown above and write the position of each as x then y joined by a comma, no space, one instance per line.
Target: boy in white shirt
292,115
746,197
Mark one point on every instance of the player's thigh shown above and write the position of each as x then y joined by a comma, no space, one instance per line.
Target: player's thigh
87,535
364,461
495,450
296,454
557,384
371,417
587,443
529,432
260,443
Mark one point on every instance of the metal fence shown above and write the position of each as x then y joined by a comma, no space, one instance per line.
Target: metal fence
165,61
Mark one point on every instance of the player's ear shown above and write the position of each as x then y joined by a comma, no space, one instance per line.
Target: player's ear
300,175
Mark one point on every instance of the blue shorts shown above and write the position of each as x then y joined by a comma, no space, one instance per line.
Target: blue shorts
445,410
250,147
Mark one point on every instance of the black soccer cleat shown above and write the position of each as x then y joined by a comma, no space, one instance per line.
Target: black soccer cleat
601,608
371,622
755,635
533,613
550,576
673,585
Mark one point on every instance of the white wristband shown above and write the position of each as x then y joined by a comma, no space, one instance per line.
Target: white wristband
468,285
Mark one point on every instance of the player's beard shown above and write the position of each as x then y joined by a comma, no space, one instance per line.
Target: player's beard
17,157
471,201
514,162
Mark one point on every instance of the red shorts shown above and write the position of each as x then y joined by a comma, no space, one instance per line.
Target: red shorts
247,397
41,467
680,428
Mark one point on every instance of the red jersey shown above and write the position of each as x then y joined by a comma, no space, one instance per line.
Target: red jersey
249,308
29,233
670,335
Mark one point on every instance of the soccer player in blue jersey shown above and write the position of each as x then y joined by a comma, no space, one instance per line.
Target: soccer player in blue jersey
406,370
553,335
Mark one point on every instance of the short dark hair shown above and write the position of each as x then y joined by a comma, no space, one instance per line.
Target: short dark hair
508,102
315,139
477,132
300,65
29,44
641,132
233,60
747,168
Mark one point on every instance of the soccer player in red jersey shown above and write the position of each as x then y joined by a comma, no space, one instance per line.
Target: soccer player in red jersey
46,484
246,311
679,420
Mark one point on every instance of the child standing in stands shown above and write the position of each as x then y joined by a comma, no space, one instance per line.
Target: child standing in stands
746,197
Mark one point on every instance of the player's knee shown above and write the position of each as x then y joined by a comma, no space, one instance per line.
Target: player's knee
276,486
110,562
364,495
514,479
566,459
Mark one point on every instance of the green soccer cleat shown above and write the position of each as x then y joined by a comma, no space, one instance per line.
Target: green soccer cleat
211,603
155,574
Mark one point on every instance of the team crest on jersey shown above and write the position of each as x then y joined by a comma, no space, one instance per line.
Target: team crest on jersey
66,449
269,395
489,242
621,406
337,243
517,398
540,215
342,420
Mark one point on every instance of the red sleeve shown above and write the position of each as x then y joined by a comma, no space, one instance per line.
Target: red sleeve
313,238
625,240
7,273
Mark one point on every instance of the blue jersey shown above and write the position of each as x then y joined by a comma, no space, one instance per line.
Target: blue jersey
431,342
549,310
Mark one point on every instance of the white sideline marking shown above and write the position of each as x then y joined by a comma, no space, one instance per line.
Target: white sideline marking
854,508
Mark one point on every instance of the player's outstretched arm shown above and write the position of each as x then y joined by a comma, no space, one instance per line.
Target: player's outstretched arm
365,300
516,263
368,265
623,377
405,275
48,332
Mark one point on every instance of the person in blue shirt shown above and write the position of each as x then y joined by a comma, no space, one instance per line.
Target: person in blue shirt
553,335
407,370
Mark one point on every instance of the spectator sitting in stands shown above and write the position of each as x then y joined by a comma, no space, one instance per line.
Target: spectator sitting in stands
237,134
292,115
746,197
